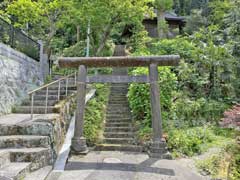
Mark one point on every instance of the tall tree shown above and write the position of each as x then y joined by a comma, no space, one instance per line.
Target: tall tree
162,6
43,16
106,16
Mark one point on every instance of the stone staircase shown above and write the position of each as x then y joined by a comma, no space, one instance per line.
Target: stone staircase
27,146
23,154
40,98
119,131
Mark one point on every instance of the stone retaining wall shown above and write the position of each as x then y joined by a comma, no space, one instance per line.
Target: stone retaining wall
18,74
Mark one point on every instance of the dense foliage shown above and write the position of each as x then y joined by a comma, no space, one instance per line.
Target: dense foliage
205,84
95,114
63,23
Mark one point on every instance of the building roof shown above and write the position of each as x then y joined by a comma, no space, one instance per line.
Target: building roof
168,16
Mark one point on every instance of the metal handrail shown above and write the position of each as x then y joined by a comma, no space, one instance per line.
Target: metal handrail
46,86
52,83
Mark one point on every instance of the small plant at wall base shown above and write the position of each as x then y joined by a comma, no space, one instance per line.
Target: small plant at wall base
223,165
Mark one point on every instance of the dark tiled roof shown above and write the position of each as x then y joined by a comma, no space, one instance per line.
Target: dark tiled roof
168,16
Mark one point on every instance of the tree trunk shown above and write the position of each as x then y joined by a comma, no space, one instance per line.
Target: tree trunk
161,24
78,33
52,32
212,80
104,38
106,34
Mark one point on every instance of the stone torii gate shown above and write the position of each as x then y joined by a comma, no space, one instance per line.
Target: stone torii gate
158,146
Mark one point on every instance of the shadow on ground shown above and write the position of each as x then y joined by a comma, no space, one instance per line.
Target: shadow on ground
144,167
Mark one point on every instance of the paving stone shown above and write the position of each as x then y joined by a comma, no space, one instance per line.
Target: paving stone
123,166
15,171
40,174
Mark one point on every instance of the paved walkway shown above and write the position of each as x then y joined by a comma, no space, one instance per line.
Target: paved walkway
123,166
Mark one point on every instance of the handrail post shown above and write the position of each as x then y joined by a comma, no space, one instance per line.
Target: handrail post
46,106
32,103
75,78
67,86
59,90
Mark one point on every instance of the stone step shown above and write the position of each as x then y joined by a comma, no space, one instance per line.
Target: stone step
118,140
36,110
117,104
36,128
115,111
117,116
50,97
55,92
109,124
14,171
40,174
118,129
118,113
118,95
39,157
119,120
118,92
4,158
115,101
121,107
124,94
120,86
118,134
55,87
39,103
118,147
118,99
24,141
70,83
58,76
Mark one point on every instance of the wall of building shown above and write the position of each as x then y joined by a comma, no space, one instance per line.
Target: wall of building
18,75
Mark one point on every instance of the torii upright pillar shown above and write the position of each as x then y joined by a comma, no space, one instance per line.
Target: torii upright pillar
79,145
158,148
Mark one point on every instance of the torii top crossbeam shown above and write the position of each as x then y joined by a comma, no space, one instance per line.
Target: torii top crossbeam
119,61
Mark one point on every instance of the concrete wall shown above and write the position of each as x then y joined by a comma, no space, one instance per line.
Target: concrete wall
18,74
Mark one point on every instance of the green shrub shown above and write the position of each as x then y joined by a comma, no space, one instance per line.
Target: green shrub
77,50
95,114
139,97
234,168
224,165
189,141
180,45
210,165
188,112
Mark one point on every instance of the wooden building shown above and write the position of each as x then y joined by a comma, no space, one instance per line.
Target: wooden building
176,24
